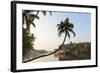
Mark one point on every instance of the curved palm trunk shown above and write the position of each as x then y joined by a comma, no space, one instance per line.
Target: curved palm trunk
49,53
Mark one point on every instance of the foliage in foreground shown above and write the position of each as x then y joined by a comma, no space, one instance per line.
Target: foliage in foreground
28,40
28,17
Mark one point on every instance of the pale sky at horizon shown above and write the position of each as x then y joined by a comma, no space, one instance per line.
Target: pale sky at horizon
46,31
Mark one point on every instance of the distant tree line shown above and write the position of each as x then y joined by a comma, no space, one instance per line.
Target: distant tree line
75,51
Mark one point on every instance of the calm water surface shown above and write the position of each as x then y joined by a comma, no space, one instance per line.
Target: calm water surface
46,59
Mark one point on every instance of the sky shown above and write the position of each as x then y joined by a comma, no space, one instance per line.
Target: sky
46,29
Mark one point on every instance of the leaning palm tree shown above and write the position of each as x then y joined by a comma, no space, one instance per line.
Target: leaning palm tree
64,27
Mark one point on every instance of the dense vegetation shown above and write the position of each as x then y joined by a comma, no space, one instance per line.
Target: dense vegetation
28,17
28,40
76,51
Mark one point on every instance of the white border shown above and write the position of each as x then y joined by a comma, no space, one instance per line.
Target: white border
21,65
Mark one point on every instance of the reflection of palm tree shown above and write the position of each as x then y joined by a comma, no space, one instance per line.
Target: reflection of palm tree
64,27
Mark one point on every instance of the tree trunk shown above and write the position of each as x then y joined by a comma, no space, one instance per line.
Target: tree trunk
49,53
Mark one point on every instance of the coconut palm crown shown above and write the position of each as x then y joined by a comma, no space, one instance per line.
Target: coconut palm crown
65,27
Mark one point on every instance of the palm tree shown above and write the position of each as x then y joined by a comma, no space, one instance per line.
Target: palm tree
28,40
29,16
64,27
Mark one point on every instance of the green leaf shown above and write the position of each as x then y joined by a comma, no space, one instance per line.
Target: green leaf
72,32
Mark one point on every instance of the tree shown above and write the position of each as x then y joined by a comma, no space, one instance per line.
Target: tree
64,27
28,17
27,42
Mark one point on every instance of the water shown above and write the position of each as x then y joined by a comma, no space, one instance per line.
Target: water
50,58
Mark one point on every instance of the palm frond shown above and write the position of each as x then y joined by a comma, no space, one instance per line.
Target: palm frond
32,16
50,12
60,28
68,34
58,25
66,21
33,24
44,13
61,23
71,25
59,33
72,32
